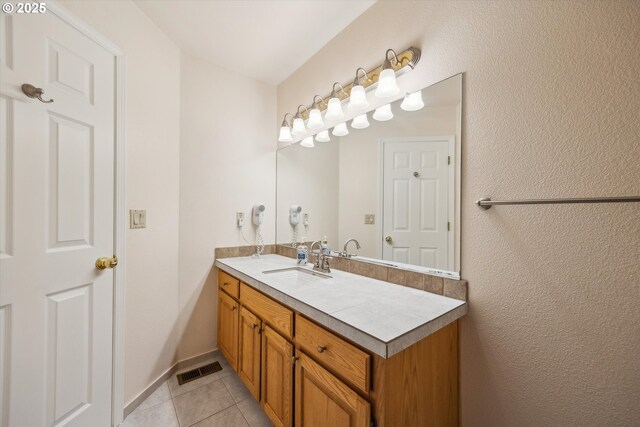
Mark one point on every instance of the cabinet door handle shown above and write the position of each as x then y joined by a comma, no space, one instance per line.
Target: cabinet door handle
254,325
321,348
225,284
234,308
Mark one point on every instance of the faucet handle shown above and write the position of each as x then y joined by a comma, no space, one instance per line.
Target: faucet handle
325,263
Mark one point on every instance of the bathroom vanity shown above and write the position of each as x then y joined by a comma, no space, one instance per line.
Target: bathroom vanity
338,349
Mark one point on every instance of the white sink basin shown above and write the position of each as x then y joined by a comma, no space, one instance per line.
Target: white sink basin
298,274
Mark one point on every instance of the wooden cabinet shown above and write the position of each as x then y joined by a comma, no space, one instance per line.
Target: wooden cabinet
419,385
336,382
228,328
229,284
277,378
273,313
347,361
249,351
322,400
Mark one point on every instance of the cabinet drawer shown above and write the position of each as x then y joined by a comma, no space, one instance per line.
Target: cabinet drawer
334,353
275,314
228,283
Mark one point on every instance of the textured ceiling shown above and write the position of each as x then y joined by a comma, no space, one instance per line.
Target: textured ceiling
266,40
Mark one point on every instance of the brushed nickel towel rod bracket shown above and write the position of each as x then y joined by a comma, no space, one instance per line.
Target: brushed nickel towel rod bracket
486,203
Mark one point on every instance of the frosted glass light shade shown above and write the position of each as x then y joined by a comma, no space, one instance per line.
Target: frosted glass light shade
323,136
334,109
360,122
384,113
315,119
412,101
387,85
298,128
358,99
308,142
285,134
341,130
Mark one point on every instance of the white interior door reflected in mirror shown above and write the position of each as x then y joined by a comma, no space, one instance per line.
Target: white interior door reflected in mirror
417,190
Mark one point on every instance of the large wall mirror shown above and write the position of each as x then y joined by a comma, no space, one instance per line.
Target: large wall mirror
394,186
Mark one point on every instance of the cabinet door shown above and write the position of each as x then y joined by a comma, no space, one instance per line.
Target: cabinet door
228,328
277,378
249,351
324,401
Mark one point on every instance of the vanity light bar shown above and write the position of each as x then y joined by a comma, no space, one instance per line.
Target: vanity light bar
406,61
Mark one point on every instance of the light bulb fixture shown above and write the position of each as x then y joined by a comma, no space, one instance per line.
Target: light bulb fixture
358,99
307,142
285,130
340,130
315,117
412,101
334,107
384,113
387,85
383,75
323,136
360,122
298,124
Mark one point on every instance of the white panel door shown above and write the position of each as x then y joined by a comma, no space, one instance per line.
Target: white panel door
57,218
416,196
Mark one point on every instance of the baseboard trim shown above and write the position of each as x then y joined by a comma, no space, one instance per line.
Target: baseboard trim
131,406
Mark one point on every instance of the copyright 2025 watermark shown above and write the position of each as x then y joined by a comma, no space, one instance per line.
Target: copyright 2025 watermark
26,8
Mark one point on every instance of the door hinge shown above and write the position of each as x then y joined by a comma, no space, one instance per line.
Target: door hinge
448,226
448,160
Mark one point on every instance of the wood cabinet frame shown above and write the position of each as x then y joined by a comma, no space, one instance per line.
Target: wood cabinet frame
418,386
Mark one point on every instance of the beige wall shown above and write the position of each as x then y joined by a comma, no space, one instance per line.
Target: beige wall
550,109
152,119
227,164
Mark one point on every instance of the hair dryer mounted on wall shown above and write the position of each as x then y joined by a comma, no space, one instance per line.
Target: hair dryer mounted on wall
294,214
257,214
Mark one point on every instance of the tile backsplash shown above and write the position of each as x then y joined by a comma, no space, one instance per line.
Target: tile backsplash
452,288
236,251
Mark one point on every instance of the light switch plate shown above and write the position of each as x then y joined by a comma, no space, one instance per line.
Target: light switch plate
369,219
137,218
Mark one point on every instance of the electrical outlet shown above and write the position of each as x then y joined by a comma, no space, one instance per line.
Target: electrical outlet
305,219
369,219
240,219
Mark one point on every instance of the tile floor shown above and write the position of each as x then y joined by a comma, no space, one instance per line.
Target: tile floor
217,400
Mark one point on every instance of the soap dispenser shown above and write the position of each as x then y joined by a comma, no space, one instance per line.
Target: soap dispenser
303,254
326,250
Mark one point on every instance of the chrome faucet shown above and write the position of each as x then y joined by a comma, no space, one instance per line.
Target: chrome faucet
344,252
322,260
315,242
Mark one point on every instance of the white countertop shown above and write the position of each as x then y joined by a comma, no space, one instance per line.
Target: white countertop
380,316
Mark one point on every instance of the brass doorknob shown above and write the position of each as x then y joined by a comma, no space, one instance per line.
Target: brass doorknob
104,262
388,239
